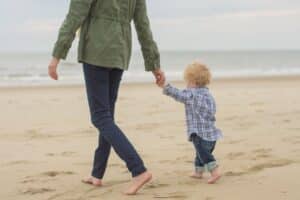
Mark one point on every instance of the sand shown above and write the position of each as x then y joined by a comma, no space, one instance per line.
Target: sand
47,143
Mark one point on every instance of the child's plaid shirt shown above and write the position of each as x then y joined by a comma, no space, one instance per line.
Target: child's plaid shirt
200,109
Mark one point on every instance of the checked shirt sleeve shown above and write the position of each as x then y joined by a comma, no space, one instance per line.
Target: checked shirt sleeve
182,96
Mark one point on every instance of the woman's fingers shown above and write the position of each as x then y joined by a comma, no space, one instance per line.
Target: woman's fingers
161,78
52,72
52,69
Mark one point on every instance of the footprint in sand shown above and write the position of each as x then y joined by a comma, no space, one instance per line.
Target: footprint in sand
286,121
18,162
41,177
259,111
232,173
57,173
261,153
236,155
86,132
68,153
55,100
50,154
292,139
231,118
270,164
166,137
33,191
166,161
247,124
82,163
28,180
64,154
154,185
257,104
182,144
147,126
260,167
37,134
116,182
234,141
171,195
115,165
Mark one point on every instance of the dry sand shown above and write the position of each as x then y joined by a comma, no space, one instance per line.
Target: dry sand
47,143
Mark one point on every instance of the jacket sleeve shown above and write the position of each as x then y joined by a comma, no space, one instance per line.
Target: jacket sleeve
78,12
182,96
149,47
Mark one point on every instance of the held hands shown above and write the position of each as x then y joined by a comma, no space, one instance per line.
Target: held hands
160,77
158,74
52,69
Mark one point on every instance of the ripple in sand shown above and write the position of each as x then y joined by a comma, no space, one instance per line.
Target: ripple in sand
33,191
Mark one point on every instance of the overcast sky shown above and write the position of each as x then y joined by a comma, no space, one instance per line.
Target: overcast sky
32,25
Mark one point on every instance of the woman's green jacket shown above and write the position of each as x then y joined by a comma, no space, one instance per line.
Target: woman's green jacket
105,33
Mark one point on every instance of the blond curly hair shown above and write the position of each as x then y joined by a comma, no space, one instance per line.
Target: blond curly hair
198,74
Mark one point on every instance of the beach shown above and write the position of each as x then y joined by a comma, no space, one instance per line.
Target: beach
47,142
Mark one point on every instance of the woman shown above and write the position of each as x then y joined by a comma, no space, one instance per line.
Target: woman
105,50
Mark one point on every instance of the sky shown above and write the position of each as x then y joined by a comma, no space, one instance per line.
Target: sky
32,25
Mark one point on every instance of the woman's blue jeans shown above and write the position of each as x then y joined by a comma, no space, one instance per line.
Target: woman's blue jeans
102,85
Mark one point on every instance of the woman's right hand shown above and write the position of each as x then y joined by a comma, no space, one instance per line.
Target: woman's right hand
52,69
159,76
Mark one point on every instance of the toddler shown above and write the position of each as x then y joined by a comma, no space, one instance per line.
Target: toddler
200,110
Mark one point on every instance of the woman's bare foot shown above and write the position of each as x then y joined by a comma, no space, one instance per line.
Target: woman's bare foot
92,181
197,175
138,182
215,175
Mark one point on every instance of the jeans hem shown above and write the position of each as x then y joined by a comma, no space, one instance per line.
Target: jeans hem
97,176
211,166
199,169
138,171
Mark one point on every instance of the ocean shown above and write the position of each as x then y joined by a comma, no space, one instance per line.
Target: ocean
27,69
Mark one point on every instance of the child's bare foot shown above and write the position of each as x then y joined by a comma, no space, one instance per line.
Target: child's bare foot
197,175
138,182
215,175
92,181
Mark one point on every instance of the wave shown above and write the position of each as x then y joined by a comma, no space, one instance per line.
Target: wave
129,76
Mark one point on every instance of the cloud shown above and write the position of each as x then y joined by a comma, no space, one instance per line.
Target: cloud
238,15
176,24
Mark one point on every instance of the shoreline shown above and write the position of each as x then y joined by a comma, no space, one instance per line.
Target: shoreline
215,80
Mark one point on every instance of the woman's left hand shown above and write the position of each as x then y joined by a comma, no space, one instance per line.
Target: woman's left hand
52,69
